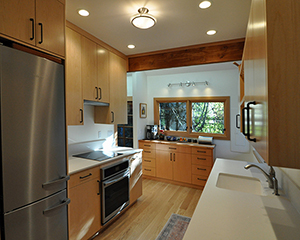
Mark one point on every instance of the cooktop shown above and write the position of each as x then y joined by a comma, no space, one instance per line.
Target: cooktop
98,155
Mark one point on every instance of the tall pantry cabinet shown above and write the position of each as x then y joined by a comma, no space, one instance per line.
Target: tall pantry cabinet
272,74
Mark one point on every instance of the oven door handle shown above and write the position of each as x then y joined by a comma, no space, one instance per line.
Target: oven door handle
115,179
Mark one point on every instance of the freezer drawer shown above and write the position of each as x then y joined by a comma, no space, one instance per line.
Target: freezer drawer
45,219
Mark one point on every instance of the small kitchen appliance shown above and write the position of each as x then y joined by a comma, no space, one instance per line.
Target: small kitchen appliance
151,132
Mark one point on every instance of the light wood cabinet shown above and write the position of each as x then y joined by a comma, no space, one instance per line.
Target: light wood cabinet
271,67
178,163
84,208
116,113
74,100
149,161
173,162
36,22
103,74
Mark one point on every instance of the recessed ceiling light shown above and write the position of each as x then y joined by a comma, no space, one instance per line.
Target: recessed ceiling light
211,32
205,4
83,12
131,46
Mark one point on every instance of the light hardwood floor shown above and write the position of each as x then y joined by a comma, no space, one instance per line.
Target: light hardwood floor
146,218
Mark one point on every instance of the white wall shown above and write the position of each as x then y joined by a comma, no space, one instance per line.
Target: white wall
223,81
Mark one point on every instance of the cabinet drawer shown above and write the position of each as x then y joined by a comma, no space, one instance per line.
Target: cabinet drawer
148,162
168,147
185,149
148,153
199,180
202,151
149,171
201,170
84,176
146,145
202,160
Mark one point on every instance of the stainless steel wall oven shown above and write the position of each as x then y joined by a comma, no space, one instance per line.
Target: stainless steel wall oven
115,189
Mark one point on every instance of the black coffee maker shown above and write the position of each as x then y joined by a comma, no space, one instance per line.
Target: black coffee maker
151,132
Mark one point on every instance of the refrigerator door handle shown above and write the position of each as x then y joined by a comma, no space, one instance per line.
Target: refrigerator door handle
61,180
62,204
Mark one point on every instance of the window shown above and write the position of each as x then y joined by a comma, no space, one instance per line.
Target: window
191,117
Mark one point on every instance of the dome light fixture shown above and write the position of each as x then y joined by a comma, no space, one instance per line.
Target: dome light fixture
143,20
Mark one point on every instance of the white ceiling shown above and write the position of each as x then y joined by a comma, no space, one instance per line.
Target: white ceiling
180,23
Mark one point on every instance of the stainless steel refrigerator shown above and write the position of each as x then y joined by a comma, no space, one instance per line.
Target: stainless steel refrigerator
33,148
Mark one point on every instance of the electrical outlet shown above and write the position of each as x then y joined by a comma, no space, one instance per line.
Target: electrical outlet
99,134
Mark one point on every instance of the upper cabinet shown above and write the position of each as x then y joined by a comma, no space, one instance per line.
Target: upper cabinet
74,100
38,23
117,111
94,71
271,71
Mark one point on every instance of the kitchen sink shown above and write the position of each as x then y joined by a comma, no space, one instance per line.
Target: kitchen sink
239,183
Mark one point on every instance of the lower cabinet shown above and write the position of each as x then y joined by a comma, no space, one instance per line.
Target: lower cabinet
84,208
189,164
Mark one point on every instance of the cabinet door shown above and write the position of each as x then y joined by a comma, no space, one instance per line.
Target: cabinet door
51,34
118,89
103,77
15,20
89,69
164,164
182,167
74,101
84,210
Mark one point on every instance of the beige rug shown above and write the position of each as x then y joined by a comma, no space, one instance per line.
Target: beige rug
175,228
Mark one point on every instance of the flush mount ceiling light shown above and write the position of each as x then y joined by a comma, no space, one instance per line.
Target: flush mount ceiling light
143,20
205,4
83,12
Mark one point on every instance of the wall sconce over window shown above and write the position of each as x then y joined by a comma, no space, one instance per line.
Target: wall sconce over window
188,84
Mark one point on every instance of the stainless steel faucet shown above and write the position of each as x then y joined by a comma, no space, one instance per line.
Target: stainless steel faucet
271,178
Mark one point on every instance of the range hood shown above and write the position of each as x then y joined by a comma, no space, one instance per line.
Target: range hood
95,103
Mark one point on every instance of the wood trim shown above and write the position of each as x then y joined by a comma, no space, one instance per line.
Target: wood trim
94,39
217,52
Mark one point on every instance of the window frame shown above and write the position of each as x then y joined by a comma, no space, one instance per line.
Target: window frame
188,133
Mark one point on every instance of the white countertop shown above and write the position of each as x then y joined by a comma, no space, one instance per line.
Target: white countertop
228,214
79,164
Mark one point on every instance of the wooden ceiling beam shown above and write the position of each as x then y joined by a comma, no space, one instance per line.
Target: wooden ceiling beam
217,52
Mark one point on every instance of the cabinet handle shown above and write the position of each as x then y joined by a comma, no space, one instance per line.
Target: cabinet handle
32,28
40,42
149,170
243,121
98,193
147,161
81,115
201,179
86,176
201,158
236,121
172,148
112,116
100,93
171,157
201,151
202,169
147,145
147,151
96,93
248,121
174,157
